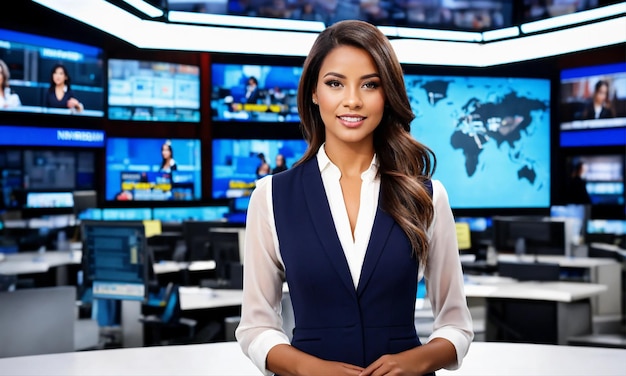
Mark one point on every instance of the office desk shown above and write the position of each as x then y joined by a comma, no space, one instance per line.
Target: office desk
226,358
603,271
36,262
536,312
194,298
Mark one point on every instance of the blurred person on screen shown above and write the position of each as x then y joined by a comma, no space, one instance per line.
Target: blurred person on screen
600,105
577,186
168,164
7,98
281,165
252,90
60,93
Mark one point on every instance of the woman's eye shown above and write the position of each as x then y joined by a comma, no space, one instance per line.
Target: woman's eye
371,85
333,83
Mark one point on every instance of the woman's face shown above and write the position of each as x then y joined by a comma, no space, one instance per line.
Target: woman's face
349,95
601,94
280,160
58,76
166,152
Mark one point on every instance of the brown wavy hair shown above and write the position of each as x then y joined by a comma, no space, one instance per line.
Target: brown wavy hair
404,163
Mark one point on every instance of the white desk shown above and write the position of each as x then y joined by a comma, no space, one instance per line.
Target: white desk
538,312
226,358
35,262
565,292
603,271
204,298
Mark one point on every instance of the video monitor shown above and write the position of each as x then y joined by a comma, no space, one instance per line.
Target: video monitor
576,216
153,91
32,63
152,169
254,93
593,105
116,262
239,163
56,169
493,134
602,176
533,10
41,200
194,213
533,236
451,15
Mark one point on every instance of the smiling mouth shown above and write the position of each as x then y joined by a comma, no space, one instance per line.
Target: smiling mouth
351,119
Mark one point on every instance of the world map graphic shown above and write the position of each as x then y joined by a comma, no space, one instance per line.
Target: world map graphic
491,137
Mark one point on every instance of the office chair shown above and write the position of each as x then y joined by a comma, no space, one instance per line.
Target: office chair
167,327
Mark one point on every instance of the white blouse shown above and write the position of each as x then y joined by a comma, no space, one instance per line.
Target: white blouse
260,327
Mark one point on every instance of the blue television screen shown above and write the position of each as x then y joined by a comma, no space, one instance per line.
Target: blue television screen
593,105
254,93
135,169
236,163
153,91
491,137
31,59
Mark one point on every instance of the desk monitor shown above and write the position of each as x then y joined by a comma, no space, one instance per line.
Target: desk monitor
197,241
84,200
530,235
116,263
576,216
225,245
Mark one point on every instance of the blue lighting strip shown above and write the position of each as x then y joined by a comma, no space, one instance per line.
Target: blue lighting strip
594,137
11,135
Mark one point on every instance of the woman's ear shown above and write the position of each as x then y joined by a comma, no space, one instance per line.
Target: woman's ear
314,99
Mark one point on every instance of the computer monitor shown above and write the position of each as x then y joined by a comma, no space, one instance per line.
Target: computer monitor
530,235
225,245
84,200
116,262
197,240
576,216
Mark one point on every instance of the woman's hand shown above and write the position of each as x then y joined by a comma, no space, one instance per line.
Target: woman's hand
436,354
74,104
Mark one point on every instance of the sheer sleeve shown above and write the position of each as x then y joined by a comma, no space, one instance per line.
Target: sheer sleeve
444,279
260,327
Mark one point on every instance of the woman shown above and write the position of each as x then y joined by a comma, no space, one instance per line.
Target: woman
168,164
352,227
60,93
599,107
7,99
281,165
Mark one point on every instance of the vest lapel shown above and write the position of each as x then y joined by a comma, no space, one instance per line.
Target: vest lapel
317,203
380,232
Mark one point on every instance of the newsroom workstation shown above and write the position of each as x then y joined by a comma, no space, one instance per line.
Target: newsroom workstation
126,220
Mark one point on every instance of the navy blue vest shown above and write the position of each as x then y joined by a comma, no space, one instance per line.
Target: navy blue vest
333,320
